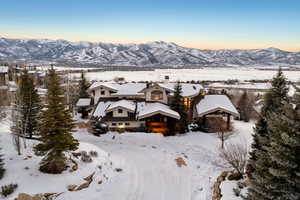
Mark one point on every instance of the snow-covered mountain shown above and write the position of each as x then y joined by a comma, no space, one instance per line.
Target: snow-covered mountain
148,54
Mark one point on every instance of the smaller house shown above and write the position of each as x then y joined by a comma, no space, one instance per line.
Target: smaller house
83,106
213,109
4,85
3,76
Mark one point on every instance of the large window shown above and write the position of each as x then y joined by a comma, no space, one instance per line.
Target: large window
120,111
156,95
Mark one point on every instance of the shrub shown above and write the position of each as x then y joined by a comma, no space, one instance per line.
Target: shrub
8,189
118,169
235,176
93,153
85,157
237,191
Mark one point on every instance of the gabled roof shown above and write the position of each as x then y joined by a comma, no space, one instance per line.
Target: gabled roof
101,107
212,103
151,109
129,89
126,104
83,102
137,89
109,85
188,89
157,85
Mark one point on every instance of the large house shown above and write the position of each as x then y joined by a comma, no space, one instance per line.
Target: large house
145,106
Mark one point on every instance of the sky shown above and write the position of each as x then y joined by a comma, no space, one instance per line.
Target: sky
204,24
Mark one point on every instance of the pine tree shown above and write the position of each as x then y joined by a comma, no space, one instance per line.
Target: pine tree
284,151
29,106
83,87
259,161
177,105
244,107
56,131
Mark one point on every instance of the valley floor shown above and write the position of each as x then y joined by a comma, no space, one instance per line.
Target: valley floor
146,163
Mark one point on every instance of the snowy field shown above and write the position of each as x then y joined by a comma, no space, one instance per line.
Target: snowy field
211,74
149,169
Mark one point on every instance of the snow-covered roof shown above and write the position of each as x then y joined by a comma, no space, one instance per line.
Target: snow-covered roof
101,107
188,89
151,109
129,89
255,86
83,102
212,103
126,104
3,69
137,89
109,85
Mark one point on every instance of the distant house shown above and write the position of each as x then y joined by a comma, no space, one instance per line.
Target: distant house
3,75
4,85
250,87
139,106
83,106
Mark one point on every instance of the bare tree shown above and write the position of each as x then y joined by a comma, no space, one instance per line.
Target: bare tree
220,127
2,105
235,155
16,128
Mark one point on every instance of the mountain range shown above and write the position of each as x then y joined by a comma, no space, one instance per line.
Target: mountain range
157,53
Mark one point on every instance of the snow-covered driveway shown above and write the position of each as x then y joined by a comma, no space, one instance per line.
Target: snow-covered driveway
147,163
149,167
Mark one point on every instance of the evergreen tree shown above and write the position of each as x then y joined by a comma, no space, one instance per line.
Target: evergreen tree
83,87
29,105
259,161
178,106
244,107
56,131
284,151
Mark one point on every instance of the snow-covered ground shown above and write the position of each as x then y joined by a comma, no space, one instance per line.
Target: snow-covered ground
149,169
211,74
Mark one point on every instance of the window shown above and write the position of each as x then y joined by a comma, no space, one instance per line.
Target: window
156,95
120,124
120,111
113,124
127,123
103,92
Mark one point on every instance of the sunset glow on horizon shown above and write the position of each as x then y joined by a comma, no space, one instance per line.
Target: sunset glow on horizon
199,24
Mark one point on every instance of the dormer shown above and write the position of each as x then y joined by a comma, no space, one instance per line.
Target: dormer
102,90
3,75
156,93
123,108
